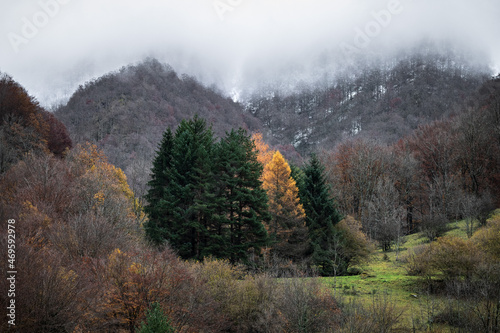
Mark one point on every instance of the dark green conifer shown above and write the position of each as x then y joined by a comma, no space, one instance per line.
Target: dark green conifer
206,198
189,197
156,227
243,202
321,217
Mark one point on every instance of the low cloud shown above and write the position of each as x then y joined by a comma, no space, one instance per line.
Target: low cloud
52,46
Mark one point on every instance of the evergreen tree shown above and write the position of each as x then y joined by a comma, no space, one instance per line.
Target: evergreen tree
321,217
243,202
156,227
156,321
189,198
298,175
180,198
206,198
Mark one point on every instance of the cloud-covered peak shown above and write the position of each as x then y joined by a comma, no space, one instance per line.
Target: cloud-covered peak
51,46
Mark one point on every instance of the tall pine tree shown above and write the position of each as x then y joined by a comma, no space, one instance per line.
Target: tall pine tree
206,198
243,202
189,196
321,217
180,198
157,225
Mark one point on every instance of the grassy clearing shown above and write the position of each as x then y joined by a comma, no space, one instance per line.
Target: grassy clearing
381,278
385,277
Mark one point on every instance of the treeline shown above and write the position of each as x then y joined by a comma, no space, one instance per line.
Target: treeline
443,171
126,112
235,199
86,268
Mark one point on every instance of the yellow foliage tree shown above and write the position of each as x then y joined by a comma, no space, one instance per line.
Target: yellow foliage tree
284,204
104,180
264,154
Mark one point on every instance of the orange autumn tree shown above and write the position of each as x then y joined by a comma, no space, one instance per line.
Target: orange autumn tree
288,217
264,154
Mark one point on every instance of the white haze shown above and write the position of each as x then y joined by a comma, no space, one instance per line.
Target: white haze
244,45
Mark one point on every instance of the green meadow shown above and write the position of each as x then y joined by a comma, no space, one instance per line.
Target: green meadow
383,281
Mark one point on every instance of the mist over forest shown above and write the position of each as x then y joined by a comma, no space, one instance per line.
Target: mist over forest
239,46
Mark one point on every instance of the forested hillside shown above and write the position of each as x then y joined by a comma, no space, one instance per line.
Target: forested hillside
383,99
125,114
445,170
26,127
235,166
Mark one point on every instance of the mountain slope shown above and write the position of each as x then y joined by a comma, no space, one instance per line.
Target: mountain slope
383,101
26,127
126,113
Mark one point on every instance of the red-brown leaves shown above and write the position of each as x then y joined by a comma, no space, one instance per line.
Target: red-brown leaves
26,127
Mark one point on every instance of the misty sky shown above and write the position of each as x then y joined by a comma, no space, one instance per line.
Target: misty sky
52,46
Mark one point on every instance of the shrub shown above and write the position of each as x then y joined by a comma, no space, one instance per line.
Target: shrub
488,238
417,261
307,307
354,246
248,301
354,271
471,272
455,317
382,315
156,321
450,257
261,303
454,257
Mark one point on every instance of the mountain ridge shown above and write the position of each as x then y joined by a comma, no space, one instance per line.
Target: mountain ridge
125,112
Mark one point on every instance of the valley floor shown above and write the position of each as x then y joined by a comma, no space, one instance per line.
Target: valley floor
385,285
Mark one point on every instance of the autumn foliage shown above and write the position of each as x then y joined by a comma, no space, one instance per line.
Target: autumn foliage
67,212
87,267
288,216
26,127
79,242
284,202
264,153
